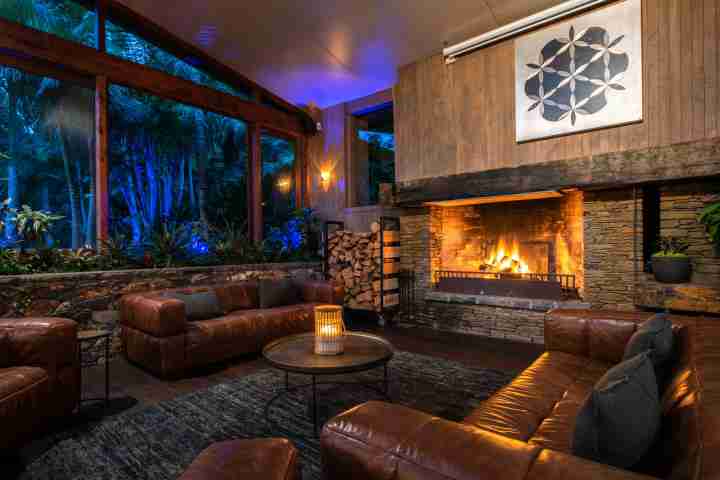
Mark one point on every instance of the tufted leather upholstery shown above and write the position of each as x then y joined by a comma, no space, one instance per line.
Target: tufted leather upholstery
524,431
262,459
40,376
157,336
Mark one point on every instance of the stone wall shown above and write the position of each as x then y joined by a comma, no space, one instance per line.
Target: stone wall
614,270
91,298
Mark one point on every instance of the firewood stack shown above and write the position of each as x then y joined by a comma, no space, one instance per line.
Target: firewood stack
354,262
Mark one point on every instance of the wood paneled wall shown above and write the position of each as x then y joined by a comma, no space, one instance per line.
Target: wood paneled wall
461,118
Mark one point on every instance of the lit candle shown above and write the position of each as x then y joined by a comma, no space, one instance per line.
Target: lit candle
329,330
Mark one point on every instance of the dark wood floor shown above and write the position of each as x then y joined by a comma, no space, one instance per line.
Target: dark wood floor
130,383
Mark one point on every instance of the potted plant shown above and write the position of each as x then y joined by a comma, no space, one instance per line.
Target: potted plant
671,264
710,217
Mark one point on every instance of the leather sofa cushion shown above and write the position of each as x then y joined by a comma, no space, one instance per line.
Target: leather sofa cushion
278,293
238,296
618,423
266,459
14,380
4,349
198,305
245,331
539,406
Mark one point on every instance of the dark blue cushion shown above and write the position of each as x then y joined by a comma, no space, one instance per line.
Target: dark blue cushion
620,419
654,335
199,305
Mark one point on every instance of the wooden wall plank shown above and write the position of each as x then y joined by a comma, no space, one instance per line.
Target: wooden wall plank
711,47
681,57
697,89
653,73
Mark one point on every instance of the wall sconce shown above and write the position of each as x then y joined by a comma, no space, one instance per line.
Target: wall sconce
284,184
325,179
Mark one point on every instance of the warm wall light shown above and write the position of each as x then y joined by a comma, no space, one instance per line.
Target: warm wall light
284,184
325,176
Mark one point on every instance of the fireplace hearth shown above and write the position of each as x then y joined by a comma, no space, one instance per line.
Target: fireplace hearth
524,249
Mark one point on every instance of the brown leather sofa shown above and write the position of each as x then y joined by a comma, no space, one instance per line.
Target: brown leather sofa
524,431
39,376
156,334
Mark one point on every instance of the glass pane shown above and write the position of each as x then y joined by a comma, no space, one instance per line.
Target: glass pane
64,18
381,161
129,46
171,164
278,182
46,156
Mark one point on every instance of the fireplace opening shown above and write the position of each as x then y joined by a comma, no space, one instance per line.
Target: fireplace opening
526,249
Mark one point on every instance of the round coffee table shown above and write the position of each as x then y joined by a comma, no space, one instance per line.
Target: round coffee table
295,354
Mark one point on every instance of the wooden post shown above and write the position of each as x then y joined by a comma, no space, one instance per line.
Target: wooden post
102,199
255,211
299,145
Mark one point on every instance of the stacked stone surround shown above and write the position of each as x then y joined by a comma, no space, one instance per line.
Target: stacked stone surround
614,276
91,298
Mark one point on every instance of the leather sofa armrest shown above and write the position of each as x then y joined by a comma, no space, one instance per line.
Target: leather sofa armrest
380,441
153,314
41,342
315,291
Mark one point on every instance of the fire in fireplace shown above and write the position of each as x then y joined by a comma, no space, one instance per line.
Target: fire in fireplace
530,249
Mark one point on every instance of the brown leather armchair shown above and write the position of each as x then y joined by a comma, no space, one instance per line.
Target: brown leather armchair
524,431
157,335
39,375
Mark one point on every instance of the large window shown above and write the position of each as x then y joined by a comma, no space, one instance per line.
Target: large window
46,155
129,46
278,182
174,165
64,18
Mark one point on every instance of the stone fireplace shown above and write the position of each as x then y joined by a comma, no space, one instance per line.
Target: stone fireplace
593,237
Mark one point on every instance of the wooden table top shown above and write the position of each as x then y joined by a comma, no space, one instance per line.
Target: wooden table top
296,353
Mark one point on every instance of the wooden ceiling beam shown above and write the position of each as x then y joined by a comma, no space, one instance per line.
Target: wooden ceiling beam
131,20
30,44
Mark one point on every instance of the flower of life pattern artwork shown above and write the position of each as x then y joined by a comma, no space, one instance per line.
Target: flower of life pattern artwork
580,75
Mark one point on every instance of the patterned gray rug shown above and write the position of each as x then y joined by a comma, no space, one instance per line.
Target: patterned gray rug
160,441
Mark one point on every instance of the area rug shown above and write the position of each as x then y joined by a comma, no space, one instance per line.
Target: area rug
160,441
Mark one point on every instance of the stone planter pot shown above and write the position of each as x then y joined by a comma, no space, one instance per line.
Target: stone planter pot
672,269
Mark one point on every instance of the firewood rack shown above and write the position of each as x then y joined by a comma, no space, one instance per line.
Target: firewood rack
328,228
389,302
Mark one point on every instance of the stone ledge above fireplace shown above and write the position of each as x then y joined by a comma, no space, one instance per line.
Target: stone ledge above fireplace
533,304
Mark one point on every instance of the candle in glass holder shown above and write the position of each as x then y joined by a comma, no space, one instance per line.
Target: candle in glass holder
329,330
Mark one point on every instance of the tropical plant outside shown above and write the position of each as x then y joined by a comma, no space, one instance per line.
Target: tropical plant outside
710,217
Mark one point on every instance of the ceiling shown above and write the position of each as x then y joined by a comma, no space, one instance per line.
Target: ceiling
329,51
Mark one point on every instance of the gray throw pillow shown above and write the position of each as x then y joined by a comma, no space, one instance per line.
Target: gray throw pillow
199,305
620,419
278,293
654,335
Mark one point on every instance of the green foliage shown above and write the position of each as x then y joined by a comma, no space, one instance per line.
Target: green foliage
710,217
168,245
11,264
5,210
115,252
33,225
672,247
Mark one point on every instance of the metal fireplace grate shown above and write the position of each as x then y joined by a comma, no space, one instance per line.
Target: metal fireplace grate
528,285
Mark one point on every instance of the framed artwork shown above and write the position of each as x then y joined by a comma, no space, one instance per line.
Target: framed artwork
581,74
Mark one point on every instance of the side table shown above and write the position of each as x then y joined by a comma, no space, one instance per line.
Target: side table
86,337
